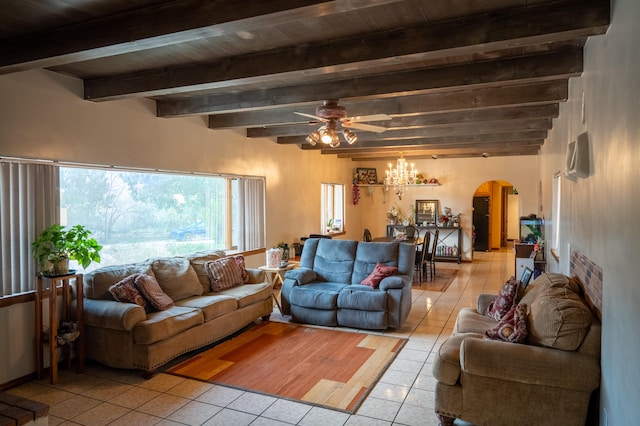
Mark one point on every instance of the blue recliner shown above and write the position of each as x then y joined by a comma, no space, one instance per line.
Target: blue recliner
326,289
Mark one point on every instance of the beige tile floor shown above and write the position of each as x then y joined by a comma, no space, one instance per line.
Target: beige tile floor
403,396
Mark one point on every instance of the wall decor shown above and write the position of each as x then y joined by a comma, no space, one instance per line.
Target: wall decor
426,212
367,176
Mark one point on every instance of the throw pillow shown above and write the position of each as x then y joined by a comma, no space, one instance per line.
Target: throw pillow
379,272
512,327
125,291
243,268
223,273
150,289
507,298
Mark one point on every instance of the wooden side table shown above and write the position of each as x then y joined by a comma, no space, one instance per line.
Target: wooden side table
275,277
47,287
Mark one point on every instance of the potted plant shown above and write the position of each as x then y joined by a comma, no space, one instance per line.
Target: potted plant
56,245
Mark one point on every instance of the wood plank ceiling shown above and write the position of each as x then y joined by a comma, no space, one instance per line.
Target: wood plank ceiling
458,78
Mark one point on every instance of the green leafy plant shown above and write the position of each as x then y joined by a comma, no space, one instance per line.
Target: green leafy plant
57,245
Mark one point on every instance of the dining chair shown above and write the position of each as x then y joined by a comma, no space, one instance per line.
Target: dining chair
410,231
431,256
366,235
421,256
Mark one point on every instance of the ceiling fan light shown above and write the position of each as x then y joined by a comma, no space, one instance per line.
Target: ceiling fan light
349,136
335,141
313,138
327,136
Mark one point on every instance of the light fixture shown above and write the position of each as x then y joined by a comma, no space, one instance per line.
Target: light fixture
400,177
328,135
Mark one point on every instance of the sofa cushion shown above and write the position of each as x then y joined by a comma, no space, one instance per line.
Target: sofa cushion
316,295
558,319
198,260
362,297
223,273
334,260
177,277
507,298
512,326
211,305
97,282
164,324
248,294
547,280
125,291
379,272
369,255
150,289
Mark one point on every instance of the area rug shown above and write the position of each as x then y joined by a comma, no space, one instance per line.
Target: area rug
440,282
324,367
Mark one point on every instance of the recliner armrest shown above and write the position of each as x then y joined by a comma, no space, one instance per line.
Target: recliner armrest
394,281
301,276
529,364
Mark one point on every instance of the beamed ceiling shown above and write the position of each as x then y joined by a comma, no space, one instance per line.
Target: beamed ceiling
458,78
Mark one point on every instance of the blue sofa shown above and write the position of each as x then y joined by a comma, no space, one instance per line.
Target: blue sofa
326,289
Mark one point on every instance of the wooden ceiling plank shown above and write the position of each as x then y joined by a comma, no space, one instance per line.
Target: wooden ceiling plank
161,24
549,66
409,151
544,94
531,25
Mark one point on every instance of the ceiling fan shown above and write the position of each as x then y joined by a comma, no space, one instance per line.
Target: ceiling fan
335,115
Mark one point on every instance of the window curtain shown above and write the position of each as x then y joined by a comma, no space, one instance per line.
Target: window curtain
29,202
252,196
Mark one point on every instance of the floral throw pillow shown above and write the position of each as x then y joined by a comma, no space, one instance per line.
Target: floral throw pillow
512,327
125,291
379,272
507,298
150,289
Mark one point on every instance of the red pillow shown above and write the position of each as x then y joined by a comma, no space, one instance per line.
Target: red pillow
512,327
126,291
150,289
243,268
507,298
379,272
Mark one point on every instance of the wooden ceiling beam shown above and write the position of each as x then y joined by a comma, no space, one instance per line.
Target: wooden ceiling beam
160,24
531,25
544,94
528,69
440,153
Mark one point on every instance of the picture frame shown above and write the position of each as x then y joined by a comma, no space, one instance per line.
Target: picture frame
526,277
367,176
426,212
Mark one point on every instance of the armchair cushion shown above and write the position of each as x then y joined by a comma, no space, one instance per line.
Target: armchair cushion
512,327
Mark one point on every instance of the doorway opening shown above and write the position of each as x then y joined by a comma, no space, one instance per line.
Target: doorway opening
496,213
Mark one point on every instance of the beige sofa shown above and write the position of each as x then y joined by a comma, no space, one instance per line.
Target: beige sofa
124,335
547,380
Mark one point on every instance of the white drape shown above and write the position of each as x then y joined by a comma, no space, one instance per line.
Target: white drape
29,202
253,212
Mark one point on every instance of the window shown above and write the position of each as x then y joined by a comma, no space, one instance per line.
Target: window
332,215
555,227
134,215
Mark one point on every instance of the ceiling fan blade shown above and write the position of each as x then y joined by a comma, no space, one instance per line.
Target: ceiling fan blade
365,127
315,117
373,117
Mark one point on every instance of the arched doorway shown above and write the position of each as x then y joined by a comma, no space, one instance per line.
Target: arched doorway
496,213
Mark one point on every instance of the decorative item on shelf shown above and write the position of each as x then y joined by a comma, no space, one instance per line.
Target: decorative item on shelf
55,246
449,219
400,177
274,257
355,192
426,212
394,214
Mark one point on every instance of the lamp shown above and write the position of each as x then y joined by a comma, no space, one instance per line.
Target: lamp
328,135
400,177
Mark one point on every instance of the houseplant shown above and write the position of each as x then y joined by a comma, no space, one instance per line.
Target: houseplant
55,246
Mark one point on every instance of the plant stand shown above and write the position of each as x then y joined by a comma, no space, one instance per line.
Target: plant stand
47,287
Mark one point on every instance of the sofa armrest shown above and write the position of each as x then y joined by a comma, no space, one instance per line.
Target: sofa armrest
484,300
112,315
394,281
256,276
301,276
528,364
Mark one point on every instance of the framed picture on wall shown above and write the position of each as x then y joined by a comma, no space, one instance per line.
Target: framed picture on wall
426,212
367,176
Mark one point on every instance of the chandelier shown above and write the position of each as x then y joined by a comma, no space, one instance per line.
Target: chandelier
400,177
328,134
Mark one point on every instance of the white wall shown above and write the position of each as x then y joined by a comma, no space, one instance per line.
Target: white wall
599,214
43,116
